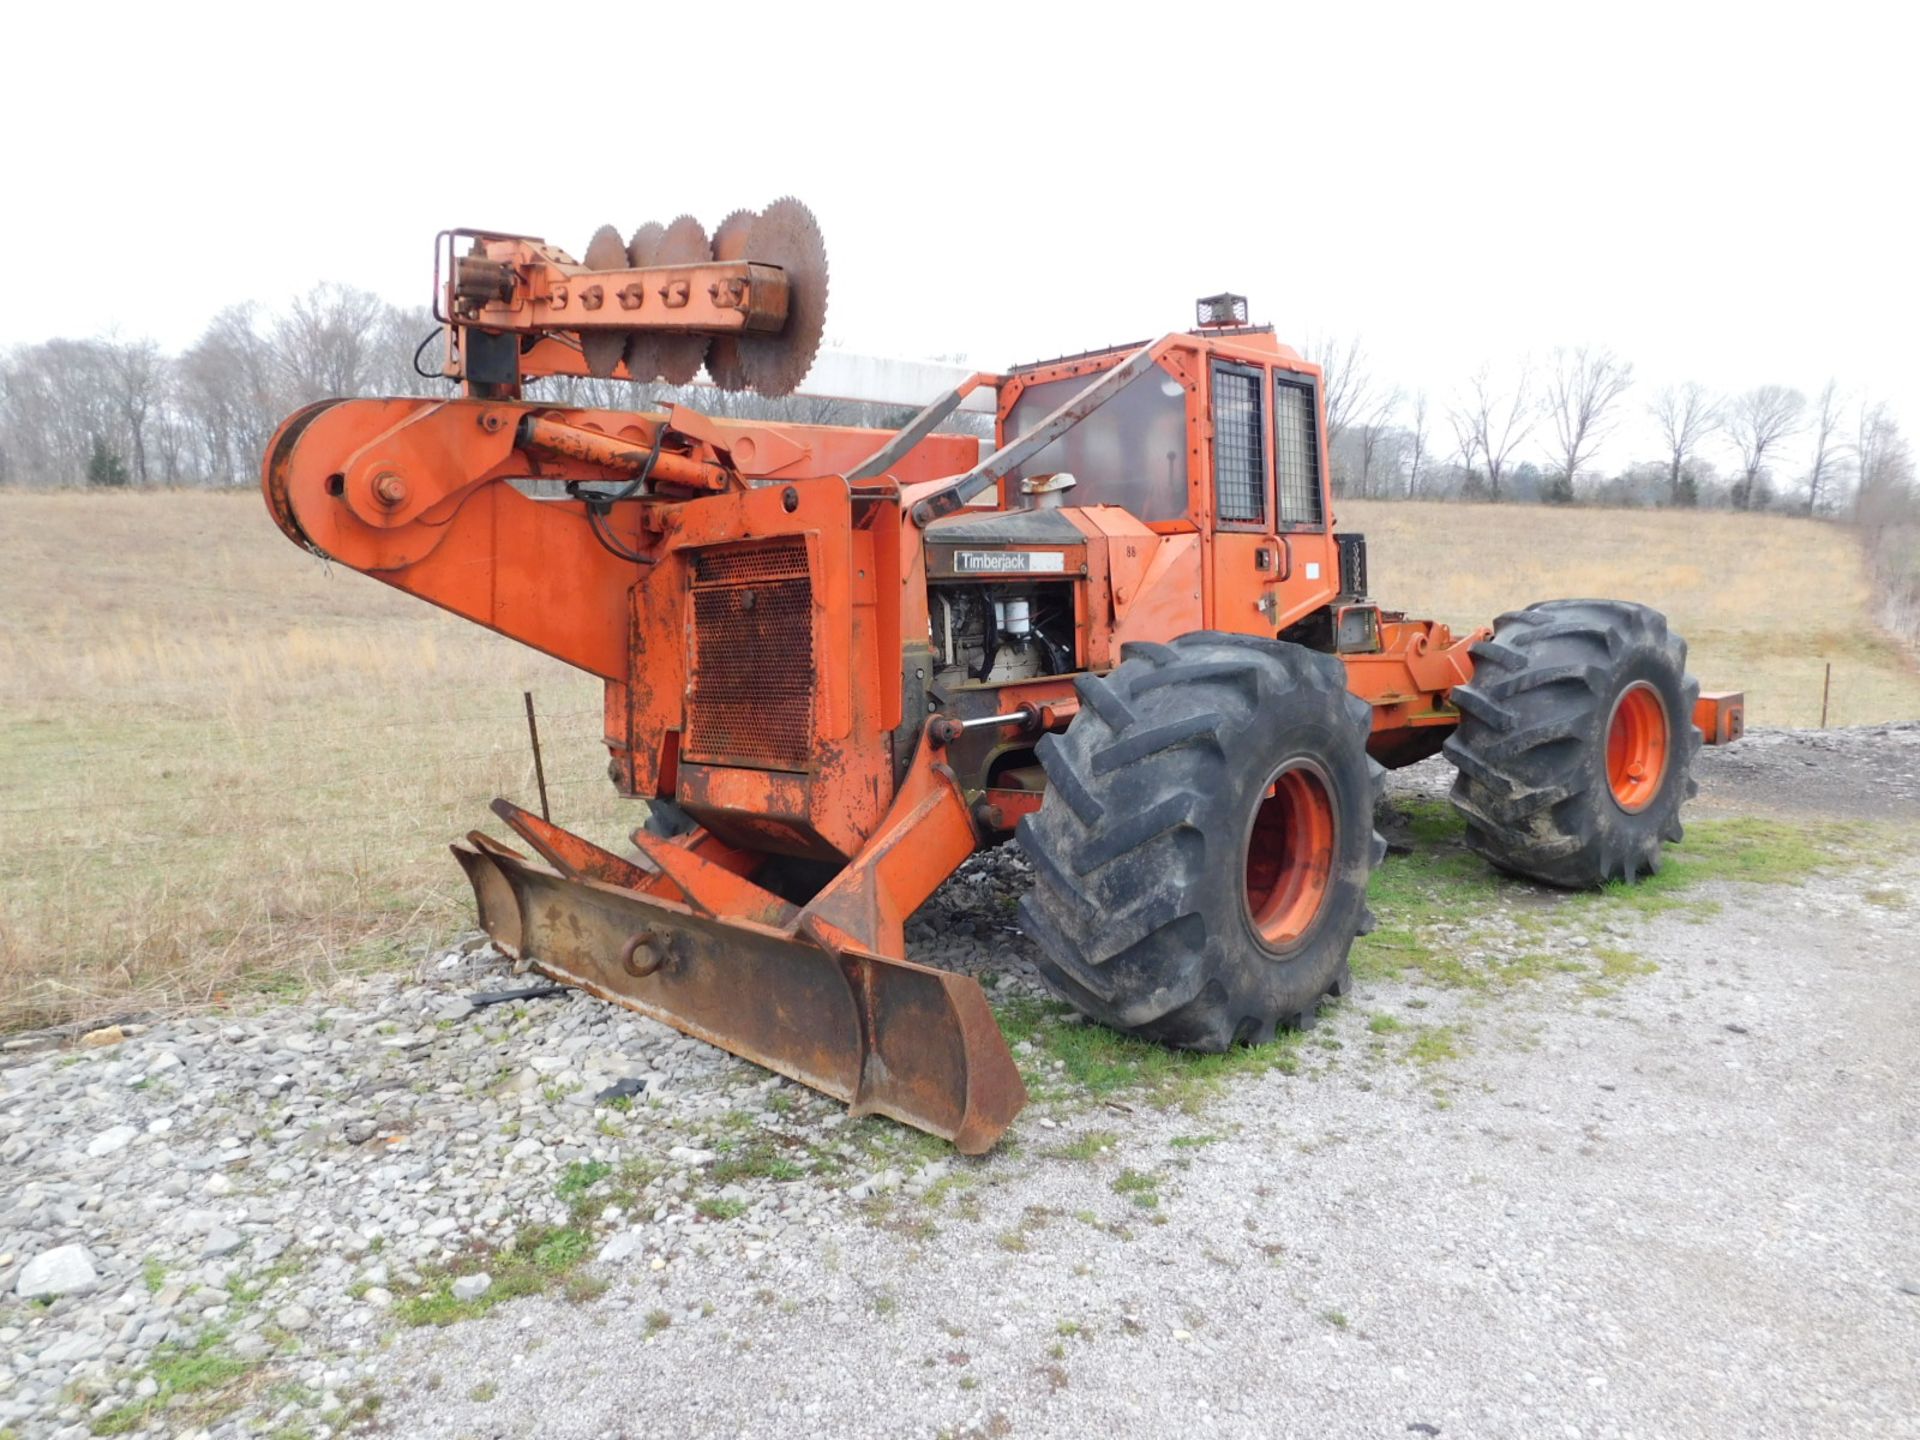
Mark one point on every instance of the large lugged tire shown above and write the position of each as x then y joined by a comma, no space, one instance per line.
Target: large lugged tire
1201,859
1576,742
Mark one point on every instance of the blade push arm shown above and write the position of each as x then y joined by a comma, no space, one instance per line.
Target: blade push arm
412,492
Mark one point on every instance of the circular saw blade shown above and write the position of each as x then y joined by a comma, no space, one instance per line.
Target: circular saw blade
603,348
643,347
787,235
685,243
723,356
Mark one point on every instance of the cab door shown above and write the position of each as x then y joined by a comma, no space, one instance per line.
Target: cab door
1273,555
1247,557
1310,566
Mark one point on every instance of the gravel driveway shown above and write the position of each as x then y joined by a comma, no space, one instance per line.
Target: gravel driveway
1663,1183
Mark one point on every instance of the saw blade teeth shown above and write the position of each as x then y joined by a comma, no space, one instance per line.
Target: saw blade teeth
604,250
724,366
643,347
730,238
645,242
684,243
602,349
787,235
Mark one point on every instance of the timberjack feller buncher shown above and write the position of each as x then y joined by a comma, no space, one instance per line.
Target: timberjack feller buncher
839,661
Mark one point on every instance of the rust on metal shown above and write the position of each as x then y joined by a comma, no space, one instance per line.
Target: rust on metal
775,625
885,1036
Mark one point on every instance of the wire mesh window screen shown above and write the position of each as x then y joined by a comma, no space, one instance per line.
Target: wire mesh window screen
1239,448
1296,453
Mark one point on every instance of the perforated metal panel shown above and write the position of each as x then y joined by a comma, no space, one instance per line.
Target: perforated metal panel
750,698
1296,453
1239,446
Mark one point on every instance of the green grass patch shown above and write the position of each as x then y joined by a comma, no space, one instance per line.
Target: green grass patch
544,1257
717,1208
579,1178
1085,1147
198,1372
1194,1142
1426,900
1094,1062
761,1158
1616,968
1139,1186
1435,1044
245,1292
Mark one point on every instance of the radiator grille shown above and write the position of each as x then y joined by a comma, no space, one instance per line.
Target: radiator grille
750,701
764,559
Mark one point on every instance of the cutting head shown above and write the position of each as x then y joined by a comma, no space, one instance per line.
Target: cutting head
643,347
787,235
603,348
723,356
684,243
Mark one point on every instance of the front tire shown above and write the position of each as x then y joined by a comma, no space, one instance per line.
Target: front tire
1576,742
1201,859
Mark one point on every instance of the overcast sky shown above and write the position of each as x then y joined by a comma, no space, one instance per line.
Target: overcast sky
1720,192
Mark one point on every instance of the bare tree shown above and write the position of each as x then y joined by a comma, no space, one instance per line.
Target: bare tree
1346,387
1371,433
1498,417
1465,442
1826,426
1883,462
1583,389
328,342
232,391
1758,422
1416,441
136,372
1686,415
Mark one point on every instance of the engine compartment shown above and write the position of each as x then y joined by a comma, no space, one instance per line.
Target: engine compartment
987,634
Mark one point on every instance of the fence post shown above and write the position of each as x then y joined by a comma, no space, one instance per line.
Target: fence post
540,771
1826,688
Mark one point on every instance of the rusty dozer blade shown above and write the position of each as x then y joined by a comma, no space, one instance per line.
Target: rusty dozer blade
886,1036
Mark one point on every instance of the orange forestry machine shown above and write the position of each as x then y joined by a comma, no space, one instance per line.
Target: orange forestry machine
839,661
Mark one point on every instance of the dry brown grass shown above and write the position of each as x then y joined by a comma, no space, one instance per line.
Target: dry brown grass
1764,601
224,766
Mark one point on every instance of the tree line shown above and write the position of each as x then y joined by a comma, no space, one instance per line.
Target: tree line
114,412
1532,432
110,411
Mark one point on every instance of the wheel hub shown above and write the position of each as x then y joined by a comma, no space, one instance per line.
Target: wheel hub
1639,741
1291,843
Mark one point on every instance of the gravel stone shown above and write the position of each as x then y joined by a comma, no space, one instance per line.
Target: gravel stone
1677,1207
65,1270
110,1141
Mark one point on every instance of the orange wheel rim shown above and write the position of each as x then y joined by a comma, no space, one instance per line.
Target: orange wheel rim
1638,741
1290,849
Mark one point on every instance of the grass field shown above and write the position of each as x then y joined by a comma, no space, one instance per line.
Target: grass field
1764,601
224,765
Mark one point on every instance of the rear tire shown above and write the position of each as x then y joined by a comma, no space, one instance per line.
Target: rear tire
1576,742
1201,858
